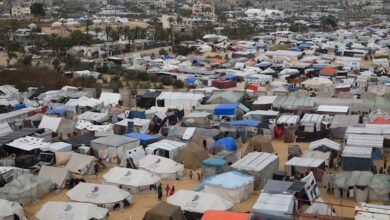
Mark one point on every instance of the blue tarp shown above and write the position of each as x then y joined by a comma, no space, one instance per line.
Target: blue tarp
250,123
265,64
231,77
167,57
136,114
20,106
55,112
191,81
226,109
228,143
230,180
292,89
197,60
214,161
143,138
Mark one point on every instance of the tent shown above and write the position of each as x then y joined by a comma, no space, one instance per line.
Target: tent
379,188
11,210
26,189
71,211
258,164
109,98
191,156
83,139
274,206
57,147
113,147
148,99
198,202
226,109
226,97
357,158
51,123
165,148
179,100
224,215
163,167
297,166
325,145
28,143
319,208
341,122
143,138
99,194
371,211
81,164
317,83
134,180
232,186
57,175
164,211
260,143
213,166
226,143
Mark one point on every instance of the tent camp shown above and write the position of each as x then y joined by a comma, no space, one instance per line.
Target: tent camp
357,158
258,164
191,156
198,202
232,186
164,211
165,148
224,215
161,166
274,206
26,189
11,210
133,180
99,194
71,211
57,175
81,164
113,147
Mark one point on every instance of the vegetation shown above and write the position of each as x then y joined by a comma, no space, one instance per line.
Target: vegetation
38,10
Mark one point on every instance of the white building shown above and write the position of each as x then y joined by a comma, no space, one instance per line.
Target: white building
20,11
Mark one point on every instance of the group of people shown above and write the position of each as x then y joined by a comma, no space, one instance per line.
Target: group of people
168,190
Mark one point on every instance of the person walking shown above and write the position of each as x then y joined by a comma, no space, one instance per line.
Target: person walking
198,176
172,191
205,144
190,174
167,189
96,168
159,192
385,162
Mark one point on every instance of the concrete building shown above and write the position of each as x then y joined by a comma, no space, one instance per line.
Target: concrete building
20,11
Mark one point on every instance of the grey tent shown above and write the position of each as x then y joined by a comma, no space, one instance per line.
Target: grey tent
379,187
192,156
164,211
260,143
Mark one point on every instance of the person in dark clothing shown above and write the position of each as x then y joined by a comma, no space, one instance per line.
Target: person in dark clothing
159,192
96,168
205,144
381,171
198,176
190,174
385,162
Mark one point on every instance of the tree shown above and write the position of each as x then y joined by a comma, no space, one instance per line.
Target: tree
38,10
178,84
11,49
163,52
328,22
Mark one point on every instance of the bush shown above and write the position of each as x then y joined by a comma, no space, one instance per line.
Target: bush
181,50
163,52
178,84
143,76
166,81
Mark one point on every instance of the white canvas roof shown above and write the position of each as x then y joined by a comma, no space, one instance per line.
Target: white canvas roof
310,119
97,193
262,112
319,207
8,209
365,140
130,177
325,142
5,129
57,175
198,202
114,140
109,98
254,161
165,144
51,123
79,162
274,203
372,211
333,108
288,119
93,116
89,126
70,211
160,165
138,122
58,147
180,100
359,152
91,102
316,155
28,143
305,162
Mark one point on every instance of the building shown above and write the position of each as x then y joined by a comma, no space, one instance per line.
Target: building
20,11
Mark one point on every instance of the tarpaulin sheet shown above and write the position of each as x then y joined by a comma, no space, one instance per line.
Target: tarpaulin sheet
226,109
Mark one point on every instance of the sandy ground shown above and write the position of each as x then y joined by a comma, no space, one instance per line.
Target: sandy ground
143,202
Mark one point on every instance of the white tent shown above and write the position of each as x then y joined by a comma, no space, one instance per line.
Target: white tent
51,123
107,195
134,180
232,186
9,209
179,100
109,98
161,166
113,147
368,211
5,129
325,142
274,206
57,147
198,202
80,163
317,83
71,211
57,175
28,143
165,148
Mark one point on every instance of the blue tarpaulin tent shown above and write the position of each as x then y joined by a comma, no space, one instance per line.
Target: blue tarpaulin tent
214,161
228,143
136,114
231,77
191,81
143,138
250,123
197,60
292,89
166,57
55,112
226,109
20,106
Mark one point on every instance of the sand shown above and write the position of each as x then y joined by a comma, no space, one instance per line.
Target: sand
143,202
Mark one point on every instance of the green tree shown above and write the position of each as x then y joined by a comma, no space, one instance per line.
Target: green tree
38,10
11,49
162,51
178,84
166,81
328,23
